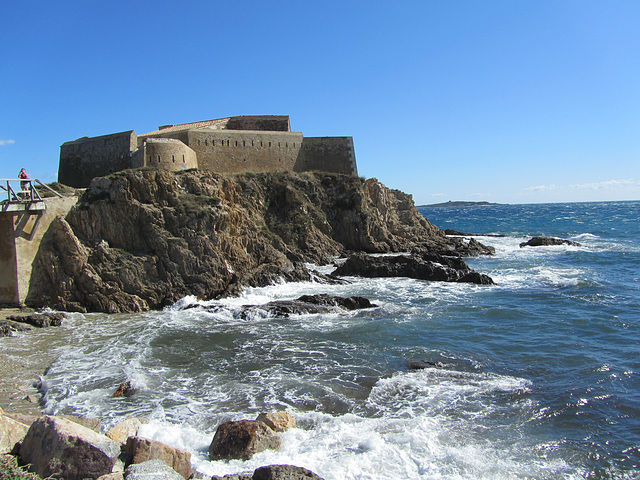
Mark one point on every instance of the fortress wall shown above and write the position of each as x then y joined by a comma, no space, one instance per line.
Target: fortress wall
271,123
86,158
166,154
327,154
245,151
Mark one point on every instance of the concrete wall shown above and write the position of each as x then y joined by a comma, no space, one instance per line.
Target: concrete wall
86,158
20,237
327,154
8,264
245,151
165,154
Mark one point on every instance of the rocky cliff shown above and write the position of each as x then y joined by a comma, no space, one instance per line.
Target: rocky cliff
142,239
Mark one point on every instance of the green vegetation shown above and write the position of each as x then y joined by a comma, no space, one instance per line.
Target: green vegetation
9,470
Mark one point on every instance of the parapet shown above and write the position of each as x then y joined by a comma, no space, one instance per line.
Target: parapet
245,143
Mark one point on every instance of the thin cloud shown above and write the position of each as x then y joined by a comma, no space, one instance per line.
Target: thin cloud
542,188
7,142
604,185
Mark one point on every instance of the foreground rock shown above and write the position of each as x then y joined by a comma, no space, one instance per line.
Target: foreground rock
143,239
242,440
268,472
547,241
12,432
306,305
284,472
143,449
423,267
40,320
151,470
58,448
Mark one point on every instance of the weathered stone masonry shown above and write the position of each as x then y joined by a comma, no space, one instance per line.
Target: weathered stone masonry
248,143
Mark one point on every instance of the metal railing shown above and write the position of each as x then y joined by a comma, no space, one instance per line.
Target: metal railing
25,191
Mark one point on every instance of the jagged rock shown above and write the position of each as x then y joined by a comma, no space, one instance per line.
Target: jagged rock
307,304
242,440
12,433
125,389
125,429
423,267
143,449
143,239
151,470
472,248
40,320
56,447
278,421
284,472
547,241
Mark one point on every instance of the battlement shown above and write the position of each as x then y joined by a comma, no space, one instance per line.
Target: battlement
246,143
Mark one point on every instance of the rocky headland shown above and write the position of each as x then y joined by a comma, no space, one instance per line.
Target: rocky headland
142,239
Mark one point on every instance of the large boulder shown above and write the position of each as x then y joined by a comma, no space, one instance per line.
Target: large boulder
143,449
59,448
424,266
242,440
151,470
284,472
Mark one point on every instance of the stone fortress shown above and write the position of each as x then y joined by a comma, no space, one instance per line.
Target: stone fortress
247,143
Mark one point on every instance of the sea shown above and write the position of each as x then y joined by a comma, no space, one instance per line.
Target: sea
535,377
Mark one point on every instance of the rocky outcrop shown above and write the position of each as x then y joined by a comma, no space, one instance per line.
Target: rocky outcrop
420,266
143,239
12,432
547,241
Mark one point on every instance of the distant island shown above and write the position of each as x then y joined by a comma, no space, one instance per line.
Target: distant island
459,204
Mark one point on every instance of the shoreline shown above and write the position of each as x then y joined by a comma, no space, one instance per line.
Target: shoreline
21,366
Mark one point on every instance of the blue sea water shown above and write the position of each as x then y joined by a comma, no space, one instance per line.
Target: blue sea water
536,377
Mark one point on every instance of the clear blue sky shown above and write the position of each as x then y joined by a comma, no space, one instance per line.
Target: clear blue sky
507,101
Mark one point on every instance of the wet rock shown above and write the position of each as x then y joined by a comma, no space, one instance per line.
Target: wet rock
151,469
143,449
278,421
8,328
422,365
56,447
40,320
307,305
125,389
242,440
547,241
423,267
284,472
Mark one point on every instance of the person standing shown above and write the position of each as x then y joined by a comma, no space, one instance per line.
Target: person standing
24,185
